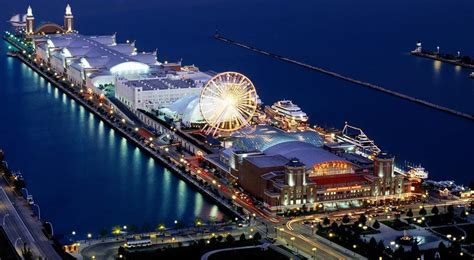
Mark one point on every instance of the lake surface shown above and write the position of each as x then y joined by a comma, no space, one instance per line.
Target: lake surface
84,175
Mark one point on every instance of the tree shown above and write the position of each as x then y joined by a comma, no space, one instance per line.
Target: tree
451,210
198,222
229,238
242,237
441,248
399,252
409,213
415,251
257,236
103,233
202,242
422,211
346,219
213,240
160,227
362,219
319,226
326,221
334,225
220,238
26,252
435,210
380,246
376,224
372,243
463,213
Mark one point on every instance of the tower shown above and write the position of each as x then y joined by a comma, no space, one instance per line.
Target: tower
295,178
30,21
384,169
68,20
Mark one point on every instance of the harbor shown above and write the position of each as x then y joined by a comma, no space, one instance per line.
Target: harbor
152,138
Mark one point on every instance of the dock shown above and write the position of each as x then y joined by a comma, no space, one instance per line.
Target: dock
348,79
108,121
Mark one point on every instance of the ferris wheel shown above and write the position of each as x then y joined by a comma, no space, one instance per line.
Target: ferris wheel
227,103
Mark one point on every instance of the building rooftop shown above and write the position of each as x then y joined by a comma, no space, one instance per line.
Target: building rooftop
262,137
98,52
159,83
307,153
266,161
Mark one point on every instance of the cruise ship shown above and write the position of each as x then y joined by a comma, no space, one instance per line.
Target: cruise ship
289,110
417,172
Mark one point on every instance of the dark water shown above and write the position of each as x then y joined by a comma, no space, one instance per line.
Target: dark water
367,39
84,176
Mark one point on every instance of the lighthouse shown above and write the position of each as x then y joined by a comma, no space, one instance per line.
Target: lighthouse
30,21
68,20
418,47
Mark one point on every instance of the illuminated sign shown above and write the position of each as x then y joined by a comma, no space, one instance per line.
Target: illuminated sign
344,188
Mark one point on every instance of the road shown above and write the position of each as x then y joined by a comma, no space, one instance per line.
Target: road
206,255
21,227
107,248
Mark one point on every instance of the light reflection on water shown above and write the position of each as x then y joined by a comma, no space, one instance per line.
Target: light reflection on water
83,175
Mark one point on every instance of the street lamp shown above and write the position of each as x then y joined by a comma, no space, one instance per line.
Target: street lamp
73,233
314,252
5,218
16,241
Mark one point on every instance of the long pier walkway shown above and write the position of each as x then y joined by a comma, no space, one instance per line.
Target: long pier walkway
349,79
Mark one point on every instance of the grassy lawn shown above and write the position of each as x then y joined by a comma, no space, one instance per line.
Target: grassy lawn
397,225
453,231
470,233
433,220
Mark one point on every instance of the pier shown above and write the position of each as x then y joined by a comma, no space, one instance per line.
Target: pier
457,60
348,79
162,158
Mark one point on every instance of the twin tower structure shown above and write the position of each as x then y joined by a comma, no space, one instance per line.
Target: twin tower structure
68,21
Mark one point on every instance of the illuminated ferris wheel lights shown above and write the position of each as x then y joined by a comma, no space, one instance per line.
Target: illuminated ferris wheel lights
228,102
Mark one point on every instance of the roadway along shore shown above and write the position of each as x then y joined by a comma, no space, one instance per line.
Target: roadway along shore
21,227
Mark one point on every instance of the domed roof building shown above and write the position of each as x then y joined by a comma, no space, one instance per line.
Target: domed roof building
186,110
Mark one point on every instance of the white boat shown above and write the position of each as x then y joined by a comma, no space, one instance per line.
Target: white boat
288,110
417,172
471,75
